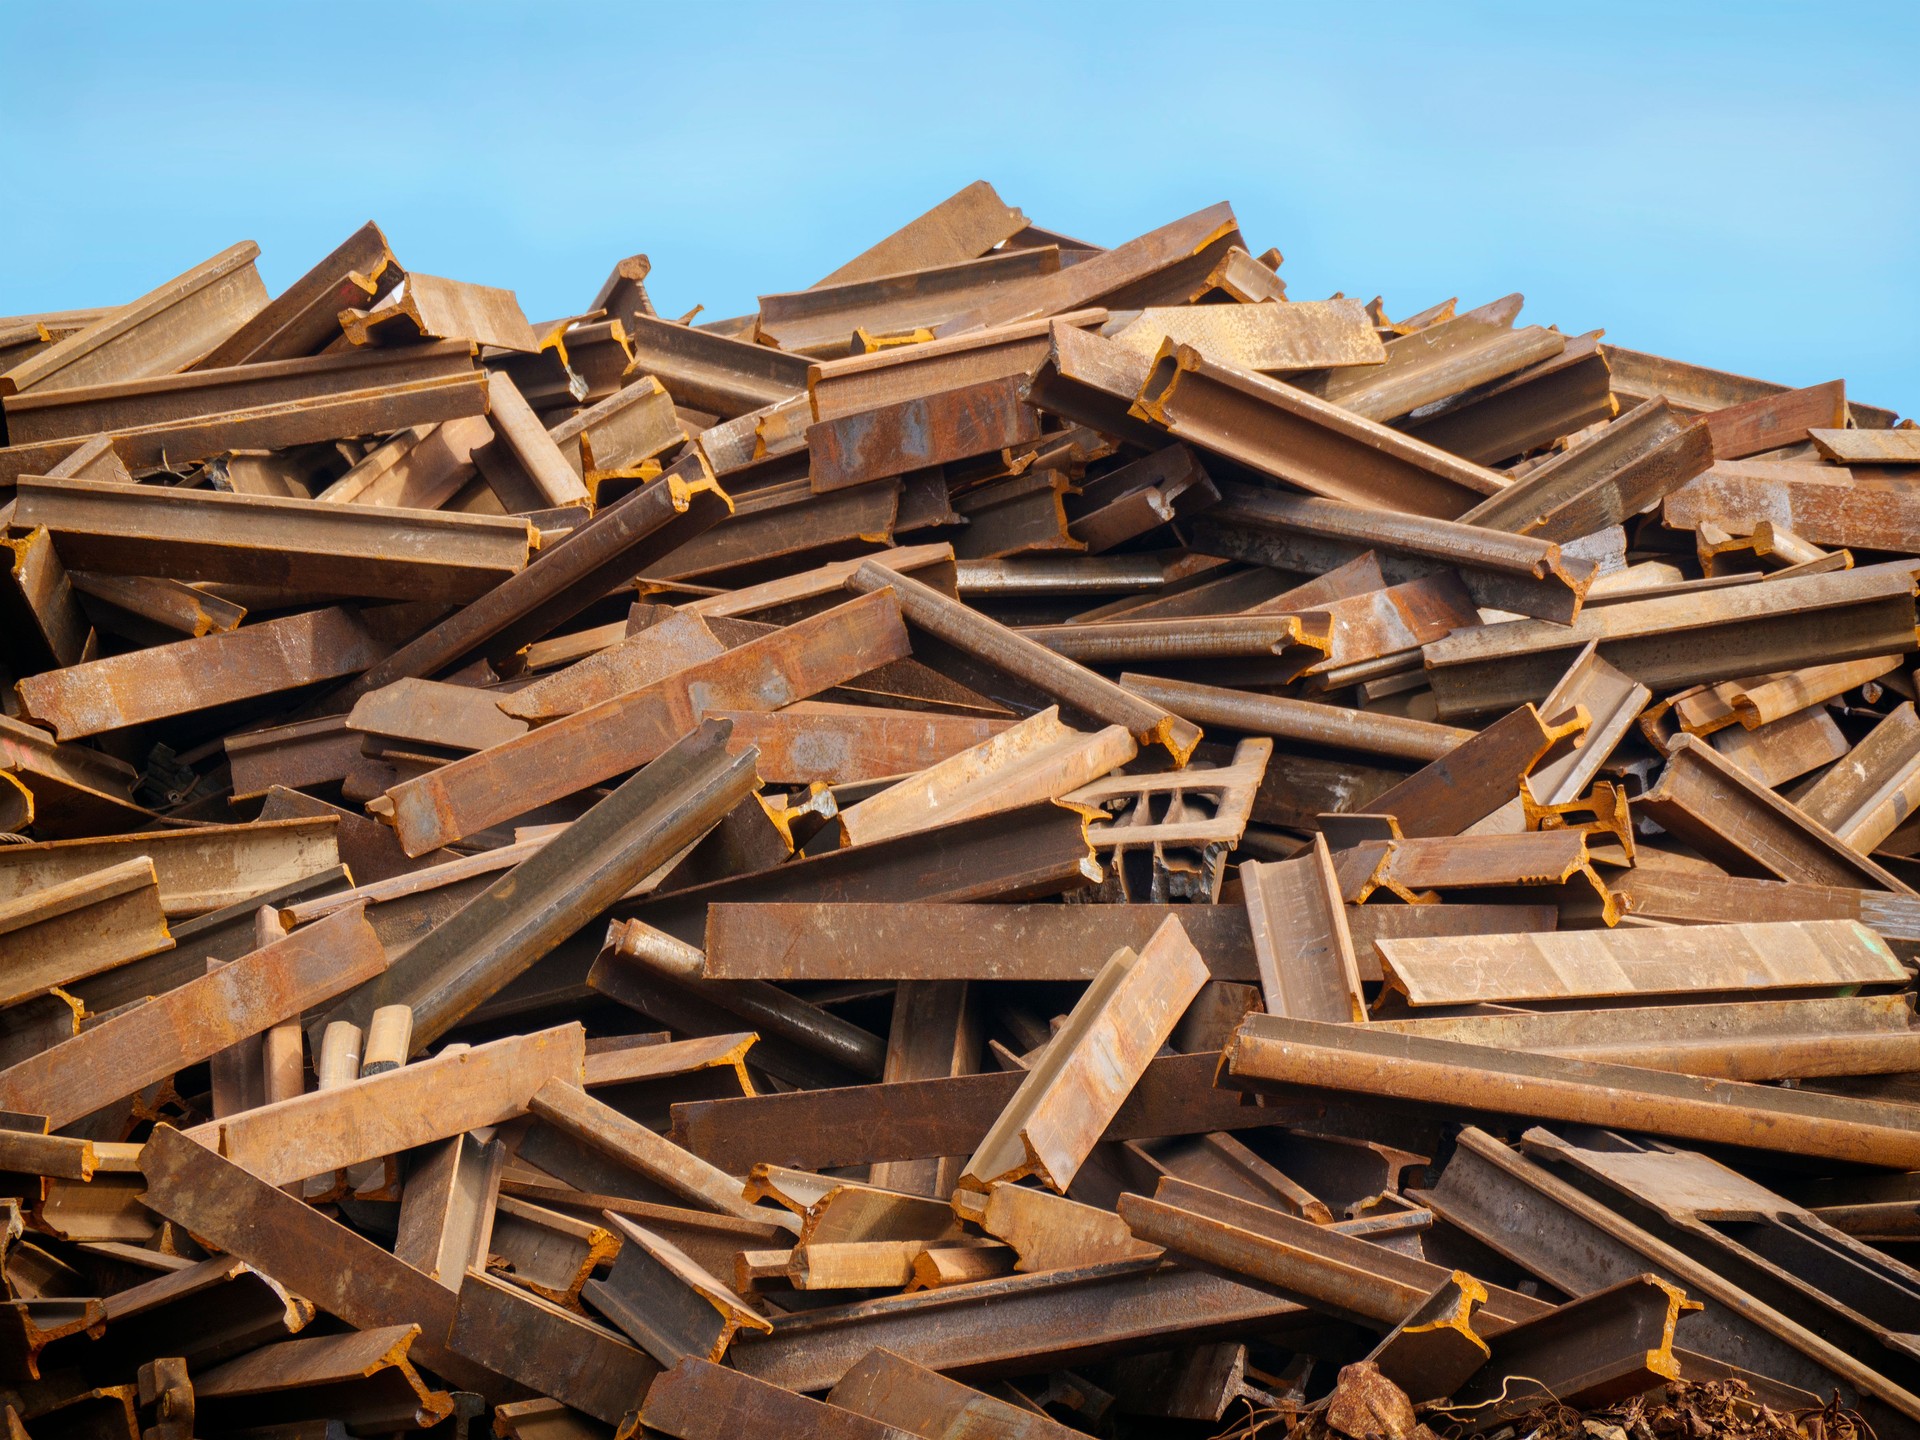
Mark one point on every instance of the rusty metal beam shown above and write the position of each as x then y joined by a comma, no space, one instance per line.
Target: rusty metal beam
68,931
631,729
562,885
915,1400
779,526
927,430
45,625
1739,1040
918,1119
1477,776
1009,653
1683,639
705,371
920,300
1279,431
1769,422
562,581
1636,461
431,307
200,869
1668,960
898,373
447,1207
1727,816
522,464
304,318
1305,721
397,1110
814,740
1271,1050
666,1301
1306,335
166,329
363,1379
301,545
1526,410
1298,924
194,675
195,1021
970,222
1064,1103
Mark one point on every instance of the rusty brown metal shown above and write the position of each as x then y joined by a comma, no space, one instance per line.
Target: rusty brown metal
1417,1068
915,1400
192,675
1769,422
195,1021
631,729
66,932
861,447
1292,436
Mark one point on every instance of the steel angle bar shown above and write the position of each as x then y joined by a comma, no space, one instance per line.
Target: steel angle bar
927,430
1035,760
1865,797
887,377
1680,640
149,1042
918,1119
1321,1266
1577,1244
1632,464
1668,960
199,869
306,546
166,329
968,223
705,371
396,1110
634,728
1603,1347
304,318
917,941
549,894
915,1400
1306,335
1015,1324
188,676
1769,422
1739,1040
1423,1070
1531,408
1066,1101
666,1301
1279,431
68,931
617,543
209,395
1304,721
1731,818
1010,653
1301,943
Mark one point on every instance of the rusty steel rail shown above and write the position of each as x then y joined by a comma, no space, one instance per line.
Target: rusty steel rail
1273,1050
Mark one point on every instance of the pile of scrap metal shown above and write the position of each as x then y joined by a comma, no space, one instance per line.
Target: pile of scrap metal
1029,840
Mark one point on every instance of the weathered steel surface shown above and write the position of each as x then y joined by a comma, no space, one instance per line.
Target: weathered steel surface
1270,1049
1593,964
302,545
1067,1100
911,1398
633,728
911,434
1306,335
1012,654
304,318
970,222
195,1021
192,675
1301,943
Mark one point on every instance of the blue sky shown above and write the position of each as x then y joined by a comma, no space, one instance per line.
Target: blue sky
1730,184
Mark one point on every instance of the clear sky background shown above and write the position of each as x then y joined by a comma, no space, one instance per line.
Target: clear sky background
1731,184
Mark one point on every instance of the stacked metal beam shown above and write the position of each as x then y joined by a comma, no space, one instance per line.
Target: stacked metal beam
1031,839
